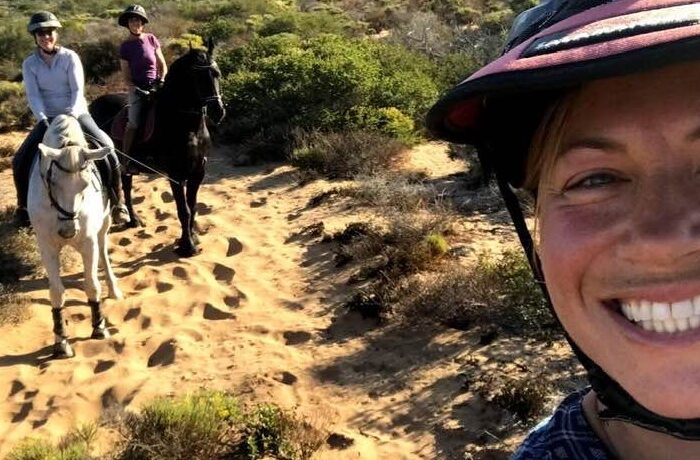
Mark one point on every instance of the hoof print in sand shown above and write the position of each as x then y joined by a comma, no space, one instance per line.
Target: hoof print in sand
223,274
145,322
234,247
167,197
164,355
232,301
109,399
161,228
258,203
132,314
180,272
23,412
77,317
161,216
339,442
203,209
124,242
213,313
296,337
144,235
286,377
162,287
103,366
138,199
16,387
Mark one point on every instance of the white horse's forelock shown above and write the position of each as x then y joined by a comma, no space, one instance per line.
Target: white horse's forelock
62,132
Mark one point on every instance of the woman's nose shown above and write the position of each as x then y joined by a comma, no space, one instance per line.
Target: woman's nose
665,218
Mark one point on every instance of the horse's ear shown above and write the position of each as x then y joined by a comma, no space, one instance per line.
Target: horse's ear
95,154
49,151
210,46
190,44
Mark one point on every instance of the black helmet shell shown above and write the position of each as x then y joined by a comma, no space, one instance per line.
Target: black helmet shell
132,10
42,20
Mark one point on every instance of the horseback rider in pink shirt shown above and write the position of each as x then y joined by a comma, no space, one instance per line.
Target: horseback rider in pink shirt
143,67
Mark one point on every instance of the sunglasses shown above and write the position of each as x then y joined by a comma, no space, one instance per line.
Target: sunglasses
43,32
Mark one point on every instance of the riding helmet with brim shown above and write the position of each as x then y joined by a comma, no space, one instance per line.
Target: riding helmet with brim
557,45
553,47
132,11
42,20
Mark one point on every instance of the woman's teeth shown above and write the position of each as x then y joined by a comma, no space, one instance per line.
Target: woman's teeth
663,316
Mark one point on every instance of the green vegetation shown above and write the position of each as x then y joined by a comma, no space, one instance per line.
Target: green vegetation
206,425
75,446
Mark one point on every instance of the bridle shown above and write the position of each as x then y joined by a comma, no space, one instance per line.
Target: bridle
205,100
63,214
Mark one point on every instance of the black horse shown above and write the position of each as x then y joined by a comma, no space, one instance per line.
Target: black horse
180,140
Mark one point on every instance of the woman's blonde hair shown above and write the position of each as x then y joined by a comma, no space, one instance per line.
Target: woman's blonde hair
546,143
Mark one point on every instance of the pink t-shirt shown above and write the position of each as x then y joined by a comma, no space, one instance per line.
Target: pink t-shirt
141,56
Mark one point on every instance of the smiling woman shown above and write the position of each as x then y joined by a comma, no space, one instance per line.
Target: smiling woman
602,101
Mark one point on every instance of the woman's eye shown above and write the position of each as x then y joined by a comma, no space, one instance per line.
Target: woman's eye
593,181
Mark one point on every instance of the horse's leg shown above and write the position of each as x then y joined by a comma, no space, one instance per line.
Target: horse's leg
185,245
127,182
112,286
193,184
61,347
90,251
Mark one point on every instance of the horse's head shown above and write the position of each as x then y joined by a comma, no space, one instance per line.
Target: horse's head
66,175
197,73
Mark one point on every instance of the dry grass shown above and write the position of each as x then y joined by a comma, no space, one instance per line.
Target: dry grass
344,155
18,258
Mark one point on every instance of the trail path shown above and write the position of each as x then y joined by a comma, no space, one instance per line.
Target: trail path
255,313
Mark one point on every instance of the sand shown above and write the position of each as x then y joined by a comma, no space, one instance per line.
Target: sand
257,312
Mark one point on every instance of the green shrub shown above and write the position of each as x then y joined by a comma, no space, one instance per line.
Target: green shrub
196,426
437,244
75,446
220,28
100,59
325,82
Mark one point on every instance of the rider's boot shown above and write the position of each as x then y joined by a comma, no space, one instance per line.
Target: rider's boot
120,214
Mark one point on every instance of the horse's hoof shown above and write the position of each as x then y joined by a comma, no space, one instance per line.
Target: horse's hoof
186,250
62,350
100,333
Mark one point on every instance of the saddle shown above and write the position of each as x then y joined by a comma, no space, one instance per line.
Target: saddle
145,130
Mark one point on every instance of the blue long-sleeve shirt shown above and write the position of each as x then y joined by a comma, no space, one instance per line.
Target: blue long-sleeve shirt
57,88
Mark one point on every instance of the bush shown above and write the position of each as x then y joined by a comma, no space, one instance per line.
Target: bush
392,191
346,154
500,292
325,82
197,426
14,112
525,397
100,59
77,445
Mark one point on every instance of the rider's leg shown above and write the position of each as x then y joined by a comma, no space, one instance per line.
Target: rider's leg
21,166
135,105
120,215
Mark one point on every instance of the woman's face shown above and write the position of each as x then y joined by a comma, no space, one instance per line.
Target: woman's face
620,233
135,25
46,38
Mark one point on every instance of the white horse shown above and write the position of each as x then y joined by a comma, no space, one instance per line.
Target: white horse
68,205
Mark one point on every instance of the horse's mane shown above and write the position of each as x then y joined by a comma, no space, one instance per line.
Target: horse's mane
65,131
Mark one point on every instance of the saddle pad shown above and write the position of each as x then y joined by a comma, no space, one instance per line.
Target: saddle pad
145,131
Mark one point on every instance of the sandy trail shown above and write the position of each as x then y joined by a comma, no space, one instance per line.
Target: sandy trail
255,313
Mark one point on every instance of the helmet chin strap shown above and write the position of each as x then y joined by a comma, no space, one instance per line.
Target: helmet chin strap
620,405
